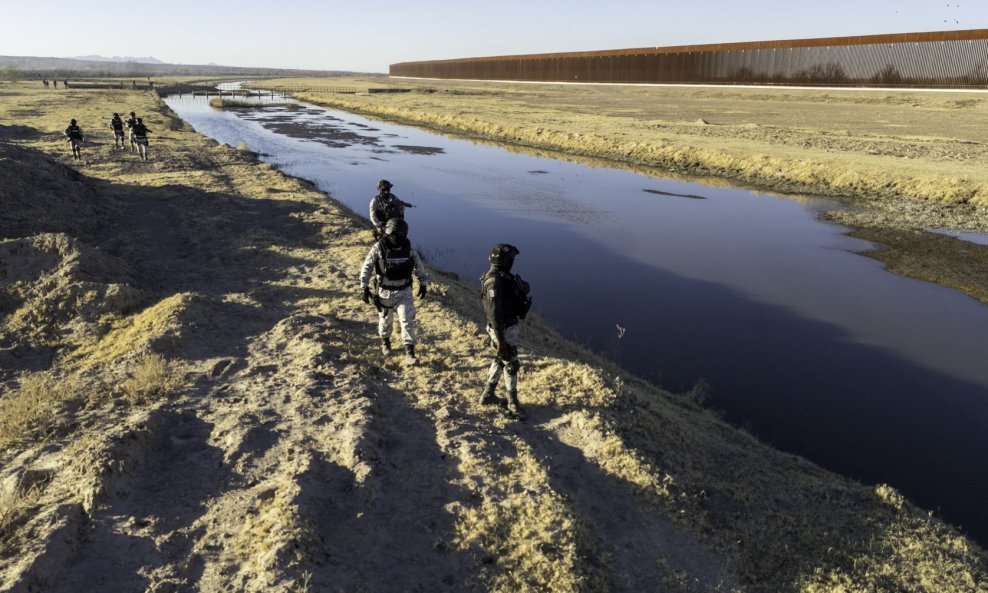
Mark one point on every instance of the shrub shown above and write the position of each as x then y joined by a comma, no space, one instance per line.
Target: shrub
32,411
15,506
9,72
153,376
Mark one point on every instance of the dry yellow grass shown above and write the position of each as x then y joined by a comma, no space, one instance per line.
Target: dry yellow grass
35,409
152,377
15,505
522,524
272,537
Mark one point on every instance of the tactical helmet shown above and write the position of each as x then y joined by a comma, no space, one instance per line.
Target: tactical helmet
134,114
503,255
116,115
396,227
384,184
72,122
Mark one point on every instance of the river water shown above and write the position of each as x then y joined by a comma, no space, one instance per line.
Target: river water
815,349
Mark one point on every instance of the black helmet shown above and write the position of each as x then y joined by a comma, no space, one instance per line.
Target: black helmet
384,184
72,122
116,115
396,227
503,255
134,114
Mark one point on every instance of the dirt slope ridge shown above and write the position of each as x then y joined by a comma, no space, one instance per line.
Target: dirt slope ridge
236,428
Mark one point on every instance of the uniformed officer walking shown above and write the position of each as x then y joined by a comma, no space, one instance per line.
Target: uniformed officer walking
394,262
131,122
385,206
140,135
74,135
117,125
506,301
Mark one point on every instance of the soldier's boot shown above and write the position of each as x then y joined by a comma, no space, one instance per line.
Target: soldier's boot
514,408
385,346
410,354
488,398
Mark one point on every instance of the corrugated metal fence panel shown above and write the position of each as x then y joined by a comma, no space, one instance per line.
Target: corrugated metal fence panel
940,59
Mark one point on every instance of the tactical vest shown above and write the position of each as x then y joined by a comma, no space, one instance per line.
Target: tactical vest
74,132
513,296
389,208
140,131
396,264
116,124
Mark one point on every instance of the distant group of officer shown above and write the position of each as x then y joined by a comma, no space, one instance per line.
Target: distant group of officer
393,262
138,132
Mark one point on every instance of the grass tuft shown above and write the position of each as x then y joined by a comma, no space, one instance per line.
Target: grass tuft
890,497
153,377
15,507
35,409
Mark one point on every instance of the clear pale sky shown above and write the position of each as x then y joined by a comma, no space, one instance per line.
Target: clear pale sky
368,35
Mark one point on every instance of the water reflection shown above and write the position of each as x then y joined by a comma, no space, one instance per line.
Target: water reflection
820,351
970,237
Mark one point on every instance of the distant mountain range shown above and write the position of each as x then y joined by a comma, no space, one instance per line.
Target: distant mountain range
92,66
147,60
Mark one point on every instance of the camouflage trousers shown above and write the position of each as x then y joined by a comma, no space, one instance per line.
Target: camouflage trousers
400,301
509,364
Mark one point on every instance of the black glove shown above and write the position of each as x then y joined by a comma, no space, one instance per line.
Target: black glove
421,292
367,295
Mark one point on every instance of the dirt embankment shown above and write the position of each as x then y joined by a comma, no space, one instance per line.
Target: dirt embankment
193,400
902,161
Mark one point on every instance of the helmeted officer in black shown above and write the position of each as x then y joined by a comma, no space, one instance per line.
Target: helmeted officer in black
117,125
506,301
140,134
385,206
74,135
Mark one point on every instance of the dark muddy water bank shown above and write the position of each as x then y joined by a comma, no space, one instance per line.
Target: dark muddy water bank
814,348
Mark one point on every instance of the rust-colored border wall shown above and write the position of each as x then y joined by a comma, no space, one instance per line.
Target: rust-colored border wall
937,59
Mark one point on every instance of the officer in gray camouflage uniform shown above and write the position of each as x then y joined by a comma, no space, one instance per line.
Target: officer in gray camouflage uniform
394,262
506,301
385,206
131,122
